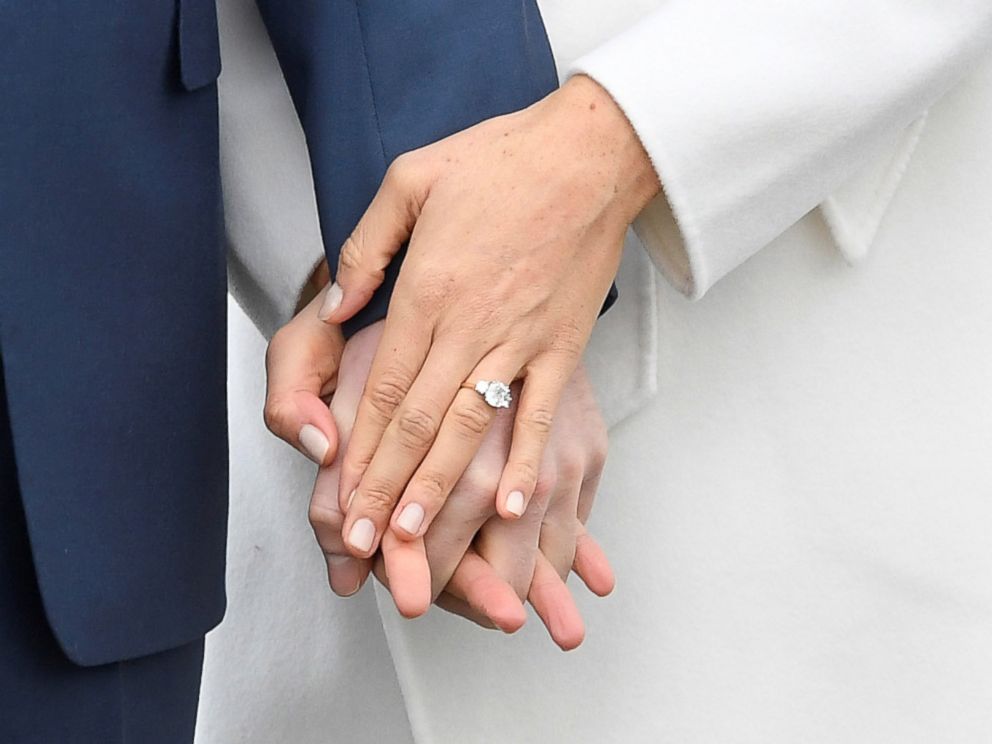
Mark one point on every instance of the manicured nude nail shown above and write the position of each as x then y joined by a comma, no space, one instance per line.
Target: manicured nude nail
362,534
331,302
515,502
411,518
314,442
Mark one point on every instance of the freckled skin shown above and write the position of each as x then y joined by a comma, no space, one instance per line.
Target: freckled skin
515,230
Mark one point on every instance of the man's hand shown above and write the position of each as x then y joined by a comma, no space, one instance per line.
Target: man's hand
516,229
472,562
302,365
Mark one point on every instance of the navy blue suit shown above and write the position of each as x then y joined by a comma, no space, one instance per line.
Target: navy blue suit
112,282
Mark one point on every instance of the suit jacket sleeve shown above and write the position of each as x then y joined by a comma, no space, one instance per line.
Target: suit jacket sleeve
754,113
376,78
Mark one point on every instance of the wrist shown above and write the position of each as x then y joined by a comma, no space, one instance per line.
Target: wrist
599,122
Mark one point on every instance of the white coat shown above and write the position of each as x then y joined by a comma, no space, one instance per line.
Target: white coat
797,501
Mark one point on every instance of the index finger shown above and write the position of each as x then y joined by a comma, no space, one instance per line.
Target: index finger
398,359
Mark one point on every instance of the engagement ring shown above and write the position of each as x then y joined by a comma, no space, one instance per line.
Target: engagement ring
496,394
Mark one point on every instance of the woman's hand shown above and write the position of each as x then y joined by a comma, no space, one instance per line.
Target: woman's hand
515,232
472,562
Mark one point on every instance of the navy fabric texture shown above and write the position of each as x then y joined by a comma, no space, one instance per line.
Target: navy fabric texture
415,71
112,274
44,697
112,318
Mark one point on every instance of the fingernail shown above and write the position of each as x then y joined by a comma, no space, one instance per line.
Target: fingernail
314,442
351,497
331,302
515,502
411,518
344,575
362,534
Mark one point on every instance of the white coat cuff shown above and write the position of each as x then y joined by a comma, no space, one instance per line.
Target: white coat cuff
755,113
268,286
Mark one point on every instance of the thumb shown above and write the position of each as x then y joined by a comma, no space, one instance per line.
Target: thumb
301,367
386,225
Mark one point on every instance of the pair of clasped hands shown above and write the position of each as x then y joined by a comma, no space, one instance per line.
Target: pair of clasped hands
515,230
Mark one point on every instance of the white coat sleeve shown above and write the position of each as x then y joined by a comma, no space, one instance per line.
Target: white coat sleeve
270,210
753,113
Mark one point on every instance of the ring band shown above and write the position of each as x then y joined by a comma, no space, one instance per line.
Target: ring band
496,394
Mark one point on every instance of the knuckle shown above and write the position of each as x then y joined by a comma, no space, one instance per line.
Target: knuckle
274,413
598,447
526,472
471,419
478,480
379,497
355,463
537,421
570,469
403,173
478,486
597,457
567,340
544,487
416,428
321,516
432,486
389,391
433,292
399,168
351,253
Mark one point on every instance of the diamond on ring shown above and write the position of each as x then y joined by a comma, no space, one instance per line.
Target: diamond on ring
497,394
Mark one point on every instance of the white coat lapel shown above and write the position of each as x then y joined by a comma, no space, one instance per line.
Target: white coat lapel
855,211
622,354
